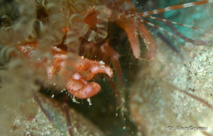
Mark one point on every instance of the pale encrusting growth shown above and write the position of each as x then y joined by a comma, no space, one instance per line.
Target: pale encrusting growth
174,93
28,21
25,21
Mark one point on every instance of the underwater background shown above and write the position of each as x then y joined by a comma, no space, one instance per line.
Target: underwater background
167,95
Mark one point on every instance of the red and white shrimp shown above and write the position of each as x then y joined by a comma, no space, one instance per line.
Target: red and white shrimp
88,27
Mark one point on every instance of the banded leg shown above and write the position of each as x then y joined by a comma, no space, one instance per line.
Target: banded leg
168,22
157,11
102,13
